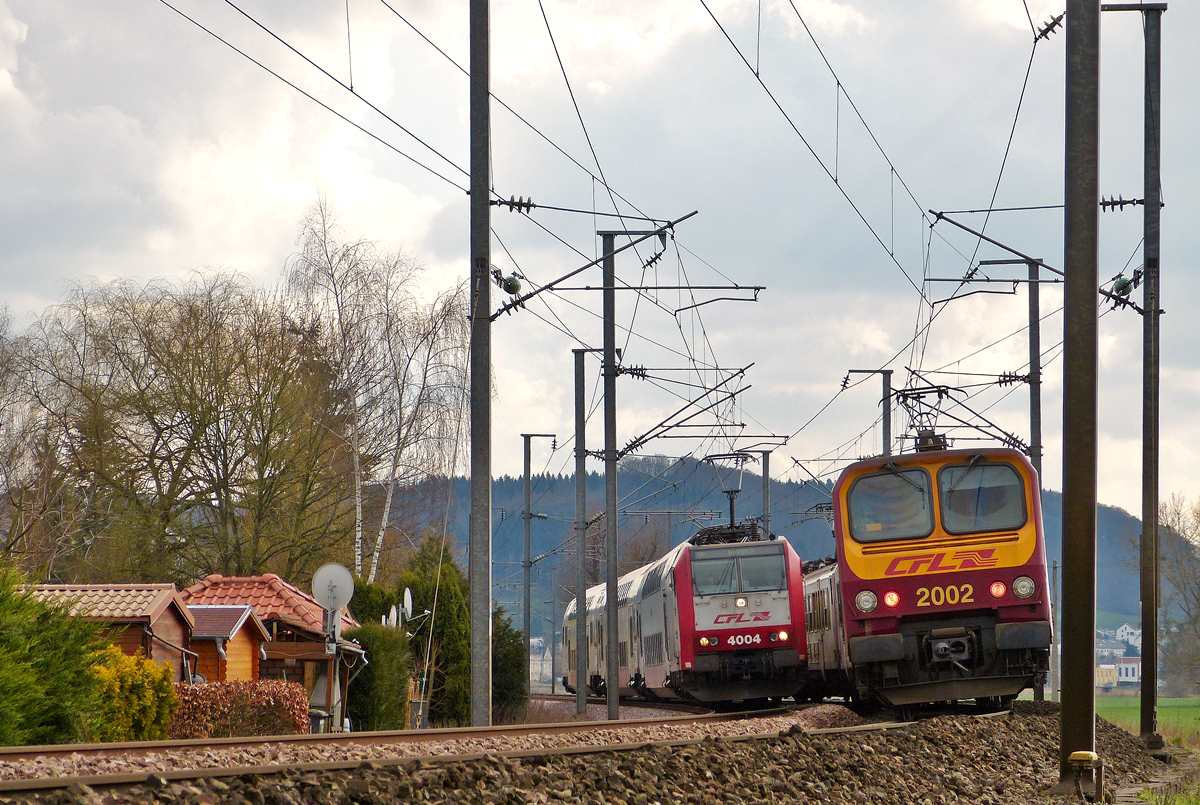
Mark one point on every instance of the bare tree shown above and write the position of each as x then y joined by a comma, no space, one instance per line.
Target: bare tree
400,362
1179,563
198,426
424,389
339,286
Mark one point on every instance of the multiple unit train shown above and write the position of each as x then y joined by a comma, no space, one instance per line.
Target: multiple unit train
719,618
937,592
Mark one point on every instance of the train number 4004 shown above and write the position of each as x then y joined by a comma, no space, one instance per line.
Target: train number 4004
952,594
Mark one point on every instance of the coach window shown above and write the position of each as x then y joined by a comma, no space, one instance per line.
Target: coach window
891,505
981,496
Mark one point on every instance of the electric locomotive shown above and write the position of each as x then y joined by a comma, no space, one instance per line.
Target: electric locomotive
720,618
939,590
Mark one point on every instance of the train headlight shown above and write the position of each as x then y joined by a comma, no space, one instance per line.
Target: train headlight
998,589
866,601
783,635
891,599
1023,587
739,602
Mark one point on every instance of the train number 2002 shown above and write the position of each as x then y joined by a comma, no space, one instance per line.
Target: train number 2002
937,596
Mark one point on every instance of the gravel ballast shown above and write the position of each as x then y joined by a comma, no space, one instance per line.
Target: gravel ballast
948,759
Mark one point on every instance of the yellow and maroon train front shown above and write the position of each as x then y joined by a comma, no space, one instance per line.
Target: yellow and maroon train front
940,581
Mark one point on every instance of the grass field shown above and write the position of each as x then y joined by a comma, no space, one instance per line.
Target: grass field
1178,719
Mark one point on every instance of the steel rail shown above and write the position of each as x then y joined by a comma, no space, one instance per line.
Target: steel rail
10,754
161,778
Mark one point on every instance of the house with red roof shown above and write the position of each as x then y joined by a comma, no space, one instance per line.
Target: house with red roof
297,649
229,642
151,618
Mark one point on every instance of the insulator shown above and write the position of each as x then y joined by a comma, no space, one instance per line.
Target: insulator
511,285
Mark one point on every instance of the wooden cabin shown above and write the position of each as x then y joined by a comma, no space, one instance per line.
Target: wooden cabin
296,650
152,618
229,642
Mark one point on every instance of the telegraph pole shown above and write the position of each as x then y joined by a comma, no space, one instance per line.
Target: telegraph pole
766,485
1151,302
1081,225
611,683
480,527
1035,370
527,565
886,402
581,647
1055,671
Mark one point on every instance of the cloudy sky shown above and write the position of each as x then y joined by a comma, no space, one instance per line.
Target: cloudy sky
135,144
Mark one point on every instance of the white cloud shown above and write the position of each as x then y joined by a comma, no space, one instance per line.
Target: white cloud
133,144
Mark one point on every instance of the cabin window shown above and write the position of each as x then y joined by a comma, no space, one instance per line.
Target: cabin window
891,505
981,496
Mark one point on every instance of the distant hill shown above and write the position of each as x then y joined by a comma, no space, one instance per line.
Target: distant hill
658,484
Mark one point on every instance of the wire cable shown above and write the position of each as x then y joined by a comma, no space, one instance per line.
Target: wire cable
811,150
322,104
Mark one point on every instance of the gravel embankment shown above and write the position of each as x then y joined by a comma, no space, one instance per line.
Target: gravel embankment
950,759
292,754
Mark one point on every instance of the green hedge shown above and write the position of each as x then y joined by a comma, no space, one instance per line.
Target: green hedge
378,697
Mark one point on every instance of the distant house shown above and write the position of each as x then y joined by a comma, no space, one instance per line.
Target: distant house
149,617
1130,635
1109,650
296,650
1106,677
1129,672
228,640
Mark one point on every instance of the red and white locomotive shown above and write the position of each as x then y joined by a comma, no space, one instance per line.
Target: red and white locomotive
720,618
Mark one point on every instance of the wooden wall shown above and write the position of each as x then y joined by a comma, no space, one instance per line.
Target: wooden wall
242,653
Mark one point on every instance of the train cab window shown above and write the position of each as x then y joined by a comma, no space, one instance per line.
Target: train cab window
891,505
981,496
745,569
763,573
715,576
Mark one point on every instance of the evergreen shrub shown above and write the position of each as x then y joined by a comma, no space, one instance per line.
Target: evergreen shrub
47,690
379,692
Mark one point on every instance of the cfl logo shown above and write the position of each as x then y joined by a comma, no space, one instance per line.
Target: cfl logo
741,617
939,562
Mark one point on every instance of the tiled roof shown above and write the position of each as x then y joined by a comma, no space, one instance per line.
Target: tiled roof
271,597
225,621
118,603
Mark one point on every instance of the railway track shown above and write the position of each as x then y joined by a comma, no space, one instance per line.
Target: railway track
30,770
623,753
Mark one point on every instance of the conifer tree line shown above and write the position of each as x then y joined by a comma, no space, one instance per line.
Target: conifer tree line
165,430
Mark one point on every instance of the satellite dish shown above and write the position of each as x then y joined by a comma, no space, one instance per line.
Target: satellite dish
332,586
392,617
407,604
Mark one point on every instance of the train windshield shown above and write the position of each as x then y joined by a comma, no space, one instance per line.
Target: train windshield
981,496
891,505
762,573
738,570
